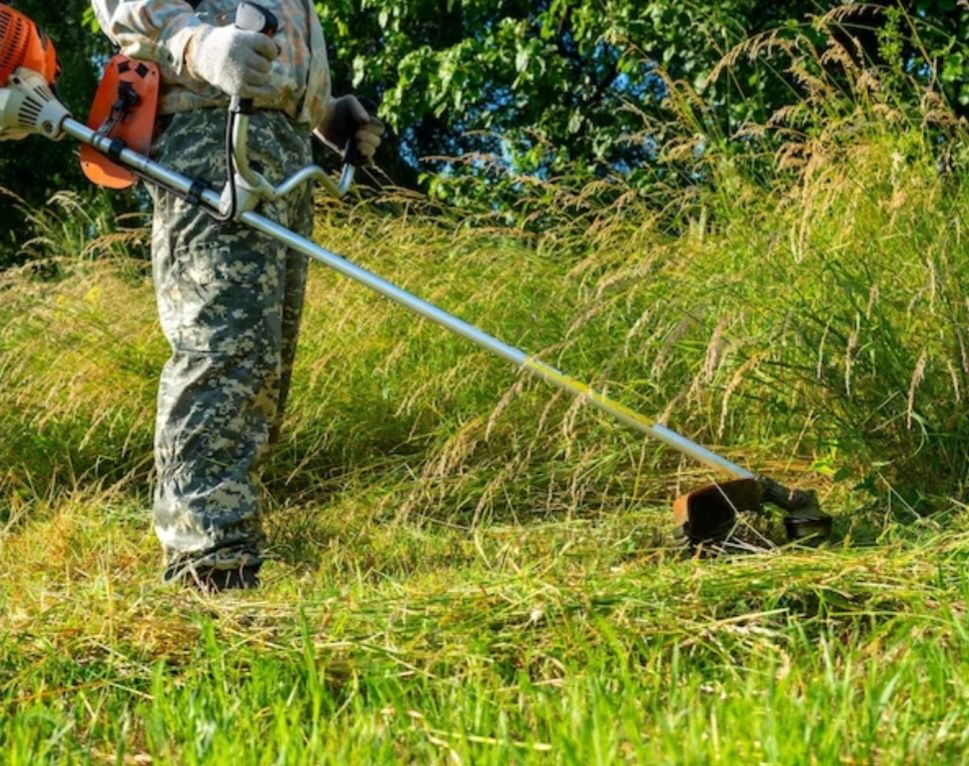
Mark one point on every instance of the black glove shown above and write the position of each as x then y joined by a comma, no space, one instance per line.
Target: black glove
349,128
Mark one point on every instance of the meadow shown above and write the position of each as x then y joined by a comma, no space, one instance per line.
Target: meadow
470,568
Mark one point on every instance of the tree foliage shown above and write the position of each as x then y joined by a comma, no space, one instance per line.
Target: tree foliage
561,84
541,87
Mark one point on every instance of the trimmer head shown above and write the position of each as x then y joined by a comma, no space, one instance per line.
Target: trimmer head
709,514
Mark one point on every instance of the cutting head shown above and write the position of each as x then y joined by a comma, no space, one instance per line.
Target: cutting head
709,514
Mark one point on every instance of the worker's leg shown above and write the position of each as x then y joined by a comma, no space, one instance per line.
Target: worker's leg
301,221
221,291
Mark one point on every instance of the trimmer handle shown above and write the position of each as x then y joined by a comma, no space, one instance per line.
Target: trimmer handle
351,155
251,17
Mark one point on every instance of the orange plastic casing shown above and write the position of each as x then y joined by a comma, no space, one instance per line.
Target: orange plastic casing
135,127
23,44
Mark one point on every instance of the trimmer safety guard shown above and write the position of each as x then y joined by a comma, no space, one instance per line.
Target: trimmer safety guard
709,514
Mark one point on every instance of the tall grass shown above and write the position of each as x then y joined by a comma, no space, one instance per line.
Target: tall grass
82,225
470,568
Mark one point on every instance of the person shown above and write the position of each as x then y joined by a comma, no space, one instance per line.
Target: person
229,299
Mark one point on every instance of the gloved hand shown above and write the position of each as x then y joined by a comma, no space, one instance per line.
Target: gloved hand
345,119
234,61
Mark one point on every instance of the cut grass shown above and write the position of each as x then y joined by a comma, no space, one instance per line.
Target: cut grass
575,642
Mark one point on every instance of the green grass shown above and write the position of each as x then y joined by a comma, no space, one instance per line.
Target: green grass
470,568
561,642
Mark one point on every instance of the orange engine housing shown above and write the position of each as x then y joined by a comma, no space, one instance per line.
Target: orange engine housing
23,44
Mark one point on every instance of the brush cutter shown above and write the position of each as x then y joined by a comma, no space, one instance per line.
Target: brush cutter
114,155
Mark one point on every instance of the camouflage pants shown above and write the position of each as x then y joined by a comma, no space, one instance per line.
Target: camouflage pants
229,301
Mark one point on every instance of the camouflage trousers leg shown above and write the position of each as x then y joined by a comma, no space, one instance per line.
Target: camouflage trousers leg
229,301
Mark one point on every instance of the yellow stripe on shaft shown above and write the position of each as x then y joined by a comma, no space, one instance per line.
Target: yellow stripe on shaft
585,391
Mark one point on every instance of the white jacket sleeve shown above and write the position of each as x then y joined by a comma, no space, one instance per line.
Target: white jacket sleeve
154,30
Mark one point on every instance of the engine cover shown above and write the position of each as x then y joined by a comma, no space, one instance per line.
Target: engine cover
24,45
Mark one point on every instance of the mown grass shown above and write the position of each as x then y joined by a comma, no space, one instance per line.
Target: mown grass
468,568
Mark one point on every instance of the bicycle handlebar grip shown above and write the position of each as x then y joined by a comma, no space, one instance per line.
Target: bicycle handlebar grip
251,17
351,155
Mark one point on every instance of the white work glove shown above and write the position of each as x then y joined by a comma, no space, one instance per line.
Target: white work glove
345,119
234,61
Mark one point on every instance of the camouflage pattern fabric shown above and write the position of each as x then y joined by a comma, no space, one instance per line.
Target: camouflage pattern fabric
160,30
229,300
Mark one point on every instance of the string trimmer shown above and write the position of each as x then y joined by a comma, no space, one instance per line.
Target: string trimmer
115,154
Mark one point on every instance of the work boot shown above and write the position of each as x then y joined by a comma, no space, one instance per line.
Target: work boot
218,580
217,572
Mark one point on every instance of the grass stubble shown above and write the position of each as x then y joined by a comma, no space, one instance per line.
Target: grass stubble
470,568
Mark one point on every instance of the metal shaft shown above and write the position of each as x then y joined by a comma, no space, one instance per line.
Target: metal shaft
211,200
